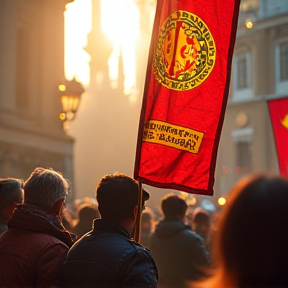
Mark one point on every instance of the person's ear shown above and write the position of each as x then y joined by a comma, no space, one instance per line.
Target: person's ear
8,211
57,207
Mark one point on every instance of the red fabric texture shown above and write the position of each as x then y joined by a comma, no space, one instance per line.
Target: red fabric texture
278,109
186,91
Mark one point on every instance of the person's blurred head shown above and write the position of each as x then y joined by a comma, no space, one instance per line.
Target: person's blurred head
46,189
173,207
146,221
87,212
117,196
11,195
200,223
252,243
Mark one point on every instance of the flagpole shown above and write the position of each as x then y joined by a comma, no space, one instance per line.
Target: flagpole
138,218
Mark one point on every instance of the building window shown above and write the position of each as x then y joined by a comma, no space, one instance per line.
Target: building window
248,5
243,140
244,157
283,51
281,67
241,77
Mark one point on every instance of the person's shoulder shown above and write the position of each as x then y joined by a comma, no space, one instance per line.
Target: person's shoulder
138,247
45,243
135,244
189,233
141,252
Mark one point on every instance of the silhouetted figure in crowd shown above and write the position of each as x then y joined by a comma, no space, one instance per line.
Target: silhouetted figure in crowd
200,224
180,254
146,228
11,195
34,248
107,256
67,218
252,239
87,213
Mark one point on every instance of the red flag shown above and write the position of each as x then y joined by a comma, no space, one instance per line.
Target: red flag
186,93
278,109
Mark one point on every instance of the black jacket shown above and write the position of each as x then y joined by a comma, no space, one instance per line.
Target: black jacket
179,253
107,257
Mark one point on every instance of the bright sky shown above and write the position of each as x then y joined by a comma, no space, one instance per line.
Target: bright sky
120,24
78,18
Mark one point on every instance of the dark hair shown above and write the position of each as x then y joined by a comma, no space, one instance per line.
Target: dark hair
10,191
173,207
45,187
200,215
252,244
88,211
117,195
146,217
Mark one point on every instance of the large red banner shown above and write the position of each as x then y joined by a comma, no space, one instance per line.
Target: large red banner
185,96
278,109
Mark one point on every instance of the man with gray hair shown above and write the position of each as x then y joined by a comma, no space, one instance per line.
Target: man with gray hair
11,195
33,249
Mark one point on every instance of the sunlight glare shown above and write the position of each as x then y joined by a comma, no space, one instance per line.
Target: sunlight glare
122,27
78,23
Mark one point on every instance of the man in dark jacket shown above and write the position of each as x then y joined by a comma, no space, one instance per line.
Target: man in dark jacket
179,253
34,248
107,256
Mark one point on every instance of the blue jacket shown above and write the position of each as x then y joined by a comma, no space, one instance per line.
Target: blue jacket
107,257
179,253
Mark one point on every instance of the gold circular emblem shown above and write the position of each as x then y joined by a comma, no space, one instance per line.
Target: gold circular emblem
185,53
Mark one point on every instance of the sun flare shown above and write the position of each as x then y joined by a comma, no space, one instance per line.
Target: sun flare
78,23
122,26
121,23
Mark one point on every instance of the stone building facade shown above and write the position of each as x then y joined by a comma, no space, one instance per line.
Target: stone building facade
31,68
259,73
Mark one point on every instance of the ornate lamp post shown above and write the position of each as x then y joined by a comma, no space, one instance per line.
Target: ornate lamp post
71,92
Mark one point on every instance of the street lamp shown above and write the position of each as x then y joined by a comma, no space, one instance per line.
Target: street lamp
71,92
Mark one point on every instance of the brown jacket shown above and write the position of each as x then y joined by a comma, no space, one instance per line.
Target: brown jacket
33,249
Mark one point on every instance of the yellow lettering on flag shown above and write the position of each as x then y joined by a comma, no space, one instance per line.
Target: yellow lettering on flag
175,136
285,121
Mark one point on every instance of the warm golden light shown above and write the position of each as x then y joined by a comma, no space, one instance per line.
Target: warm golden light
78,23
192,201
120,22
249,24
122,26
71,94
62,116
62,87
222,201
69,103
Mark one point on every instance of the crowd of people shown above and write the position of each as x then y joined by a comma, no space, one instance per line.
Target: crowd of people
44,242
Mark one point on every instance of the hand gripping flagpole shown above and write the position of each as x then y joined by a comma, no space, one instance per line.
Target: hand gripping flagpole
137,227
